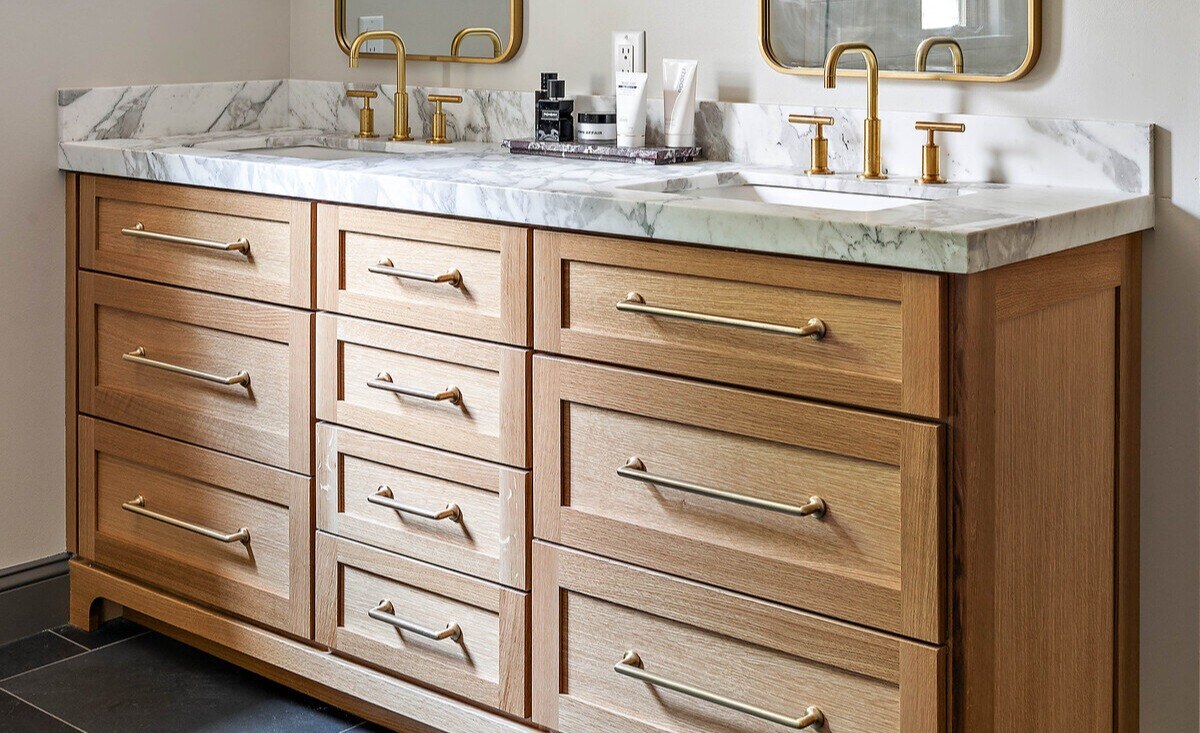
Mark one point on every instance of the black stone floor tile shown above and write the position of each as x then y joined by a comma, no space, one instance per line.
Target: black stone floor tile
17,717
34,651
151,684
109,633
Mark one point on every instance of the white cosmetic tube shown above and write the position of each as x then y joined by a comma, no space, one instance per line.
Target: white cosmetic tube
679,99
631,109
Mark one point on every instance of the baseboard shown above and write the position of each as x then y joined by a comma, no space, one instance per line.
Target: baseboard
34,596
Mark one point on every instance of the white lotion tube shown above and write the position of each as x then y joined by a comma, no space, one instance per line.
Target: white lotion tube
679,99
631,109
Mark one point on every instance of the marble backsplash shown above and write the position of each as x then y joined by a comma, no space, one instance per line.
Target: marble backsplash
1116,156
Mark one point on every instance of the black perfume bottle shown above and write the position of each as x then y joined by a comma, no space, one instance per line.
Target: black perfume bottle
556,114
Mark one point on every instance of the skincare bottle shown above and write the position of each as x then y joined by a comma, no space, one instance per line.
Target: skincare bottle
679,101
631,109
556,115
597,128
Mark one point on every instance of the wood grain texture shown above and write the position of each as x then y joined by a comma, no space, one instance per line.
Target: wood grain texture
885,346
494,301
491,541
279,268
71,336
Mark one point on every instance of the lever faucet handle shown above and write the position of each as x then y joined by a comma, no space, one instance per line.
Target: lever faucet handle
439,117
931,158
366,116
820,146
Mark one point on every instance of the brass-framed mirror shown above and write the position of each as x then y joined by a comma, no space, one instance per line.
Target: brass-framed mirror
952,40
455,31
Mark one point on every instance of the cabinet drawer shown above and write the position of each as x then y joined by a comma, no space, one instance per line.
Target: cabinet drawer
456,512
467,397
180,236
135,339
885,334
384,265
592,616
170,514
717,485
387,610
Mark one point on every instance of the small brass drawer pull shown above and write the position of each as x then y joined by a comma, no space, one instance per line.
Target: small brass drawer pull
384,382
635,303
386,613
384,497
385,267
631,666
636,470
138,356
138,506
138,231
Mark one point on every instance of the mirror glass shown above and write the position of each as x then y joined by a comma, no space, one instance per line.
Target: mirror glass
999,38
475,31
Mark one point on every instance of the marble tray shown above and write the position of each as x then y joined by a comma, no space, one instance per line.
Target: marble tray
605,153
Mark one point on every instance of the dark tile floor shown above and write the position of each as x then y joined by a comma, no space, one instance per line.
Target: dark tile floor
125,679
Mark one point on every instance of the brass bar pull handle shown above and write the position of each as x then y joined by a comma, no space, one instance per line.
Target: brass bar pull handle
138,231
635,303
385,267
631,666
635,470
384,382
386,613
138,356
384,498
138,506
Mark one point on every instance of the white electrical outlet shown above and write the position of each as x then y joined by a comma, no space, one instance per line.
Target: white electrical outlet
629,52
373,23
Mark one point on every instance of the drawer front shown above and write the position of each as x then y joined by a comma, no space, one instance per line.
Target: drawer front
388,611
467,397
459,513
822,508
385,266
182,236
612,644
135,338
224,531
885,330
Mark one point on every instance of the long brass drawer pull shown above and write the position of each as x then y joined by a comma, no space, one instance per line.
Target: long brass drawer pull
636,470
384,497
386,613
384,382
631,666
138,231
385,267
138,356
635,303
138,506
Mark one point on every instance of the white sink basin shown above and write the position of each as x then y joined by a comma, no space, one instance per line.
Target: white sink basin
813,198
316,152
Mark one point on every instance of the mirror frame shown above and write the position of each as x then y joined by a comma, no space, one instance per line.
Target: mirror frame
1031,57
516,18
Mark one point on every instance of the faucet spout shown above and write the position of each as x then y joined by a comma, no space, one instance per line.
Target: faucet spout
873,127
956,52
401,131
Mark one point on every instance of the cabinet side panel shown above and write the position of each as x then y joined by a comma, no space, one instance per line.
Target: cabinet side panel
72,367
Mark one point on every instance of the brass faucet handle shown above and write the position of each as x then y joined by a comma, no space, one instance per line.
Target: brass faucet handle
820,146
439,117
366,94
931,158
941,126
366,116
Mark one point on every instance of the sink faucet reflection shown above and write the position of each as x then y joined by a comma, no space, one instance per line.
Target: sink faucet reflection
873,127
401,132
929,44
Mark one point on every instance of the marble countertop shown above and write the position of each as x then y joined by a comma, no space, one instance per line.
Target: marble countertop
967,228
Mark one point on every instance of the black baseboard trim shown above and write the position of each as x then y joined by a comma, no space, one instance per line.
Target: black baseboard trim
34,596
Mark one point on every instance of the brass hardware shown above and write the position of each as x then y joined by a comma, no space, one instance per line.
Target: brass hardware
820,146
138,356
1032,54
138,506
873,127
956,52
383,497
386,613
384,382
138,231
366,116
401,132
385,267
465,33
931,159
635,470
631,665
516,36
439,117
635,303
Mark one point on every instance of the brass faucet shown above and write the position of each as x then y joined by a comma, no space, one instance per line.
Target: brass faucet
931,43
465,33
873,127
401,132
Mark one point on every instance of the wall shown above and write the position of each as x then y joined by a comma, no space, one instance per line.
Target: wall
1087,71
80,43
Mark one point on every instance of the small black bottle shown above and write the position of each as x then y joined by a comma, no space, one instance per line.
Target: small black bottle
556,114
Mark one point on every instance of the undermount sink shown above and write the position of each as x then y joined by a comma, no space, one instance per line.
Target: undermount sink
317,152
813,198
